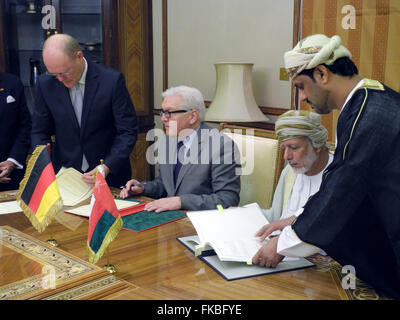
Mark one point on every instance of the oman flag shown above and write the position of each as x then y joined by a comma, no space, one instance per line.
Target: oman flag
104,222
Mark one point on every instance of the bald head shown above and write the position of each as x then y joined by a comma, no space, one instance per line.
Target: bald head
63,43
63,57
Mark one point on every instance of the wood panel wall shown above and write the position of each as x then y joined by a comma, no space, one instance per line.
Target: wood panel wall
135,60
374,42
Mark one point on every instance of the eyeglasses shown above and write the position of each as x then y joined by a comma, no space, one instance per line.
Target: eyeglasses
62,74
167,113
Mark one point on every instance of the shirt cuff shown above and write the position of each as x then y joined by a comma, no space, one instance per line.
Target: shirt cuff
17,164
299,211
290,245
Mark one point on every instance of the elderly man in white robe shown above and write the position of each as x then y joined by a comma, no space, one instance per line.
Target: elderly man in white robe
304,141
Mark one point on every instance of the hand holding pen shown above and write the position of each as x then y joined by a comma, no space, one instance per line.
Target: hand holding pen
132,187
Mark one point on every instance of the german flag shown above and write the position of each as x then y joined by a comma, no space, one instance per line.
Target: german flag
38,193
105,221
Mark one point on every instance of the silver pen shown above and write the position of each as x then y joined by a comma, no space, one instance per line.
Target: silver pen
140,184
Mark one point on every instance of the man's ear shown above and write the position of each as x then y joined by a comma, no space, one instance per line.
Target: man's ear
79,54
321,74
194,116
317,150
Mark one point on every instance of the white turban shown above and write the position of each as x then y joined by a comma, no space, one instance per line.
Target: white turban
313,51
296,124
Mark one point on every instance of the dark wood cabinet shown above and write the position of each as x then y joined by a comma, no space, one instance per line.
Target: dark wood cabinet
27,24
116,33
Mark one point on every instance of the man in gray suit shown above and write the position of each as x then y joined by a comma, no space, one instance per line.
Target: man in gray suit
198,166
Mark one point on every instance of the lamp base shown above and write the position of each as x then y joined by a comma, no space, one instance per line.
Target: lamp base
110,268
53,242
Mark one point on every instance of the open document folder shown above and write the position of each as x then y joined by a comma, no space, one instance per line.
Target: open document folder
232,270
226,239
72,188
230,232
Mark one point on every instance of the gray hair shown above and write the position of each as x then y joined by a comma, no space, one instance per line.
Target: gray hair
192,99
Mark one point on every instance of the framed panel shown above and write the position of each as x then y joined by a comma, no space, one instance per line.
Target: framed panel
201,33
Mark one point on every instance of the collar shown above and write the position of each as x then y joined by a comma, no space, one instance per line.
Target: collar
82,80
189,139
358,85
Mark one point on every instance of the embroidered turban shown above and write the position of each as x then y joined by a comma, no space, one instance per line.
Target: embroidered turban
313,51
297,124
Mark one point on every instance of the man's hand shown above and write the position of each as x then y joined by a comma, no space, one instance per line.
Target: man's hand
6,167
267,255
130,189
88,177
273,226
164,204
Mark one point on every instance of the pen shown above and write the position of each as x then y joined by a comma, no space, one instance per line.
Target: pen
141,184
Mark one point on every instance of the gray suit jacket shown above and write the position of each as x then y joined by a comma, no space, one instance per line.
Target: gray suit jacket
210,175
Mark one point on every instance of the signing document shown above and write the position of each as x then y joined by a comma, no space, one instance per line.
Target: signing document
72,188
230,232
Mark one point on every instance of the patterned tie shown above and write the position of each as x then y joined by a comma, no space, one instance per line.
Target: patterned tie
178,162
78,105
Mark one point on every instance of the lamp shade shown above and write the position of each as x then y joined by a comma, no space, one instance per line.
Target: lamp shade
234,100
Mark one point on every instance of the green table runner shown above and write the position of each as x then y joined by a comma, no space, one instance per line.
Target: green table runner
144,220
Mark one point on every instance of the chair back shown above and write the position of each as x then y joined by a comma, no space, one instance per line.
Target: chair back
262,162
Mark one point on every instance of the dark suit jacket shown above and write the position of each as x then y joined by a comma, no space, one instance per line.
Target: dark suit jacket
15,126
211,175
355,215
108,126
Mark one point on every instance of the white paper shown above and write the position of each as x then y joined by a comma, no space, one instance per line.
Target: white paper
232,270
231,233
9,207
85,209
73,189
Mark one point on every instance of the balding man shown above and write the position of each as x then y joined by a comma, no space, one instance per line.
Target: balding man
89,110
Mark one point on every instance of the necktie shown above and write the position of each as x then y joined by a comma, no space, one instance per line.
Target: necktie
178,162
78,104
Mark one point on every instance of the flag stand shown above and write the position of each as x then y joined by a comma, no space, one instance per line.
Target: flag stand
52,241
109,267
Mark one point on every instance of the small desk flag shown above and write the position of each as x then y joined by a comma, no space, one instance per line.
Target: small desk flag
38,194
104,222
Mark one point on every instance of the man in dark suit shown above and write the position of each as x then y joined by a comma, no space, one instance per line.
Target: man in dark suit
88,108
15,126
204,172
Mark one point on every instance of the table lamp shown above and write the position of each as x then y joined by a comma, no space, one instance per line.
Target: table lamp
234,100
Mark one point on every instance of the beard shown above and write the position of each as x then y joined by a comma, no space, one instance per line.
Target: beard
320,110
302,170
309,160
322,106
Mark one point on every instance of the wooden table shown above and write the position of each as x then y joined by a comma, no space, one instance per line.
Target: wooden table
160,267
